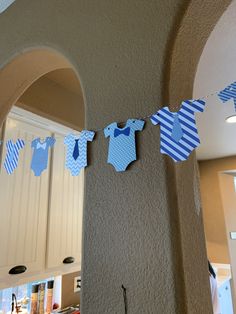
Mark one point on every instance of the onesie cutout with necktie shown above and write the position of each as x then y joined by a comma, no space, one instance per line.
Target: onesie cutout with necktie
39,160
76,157
178,131
228,93
122,148
12,156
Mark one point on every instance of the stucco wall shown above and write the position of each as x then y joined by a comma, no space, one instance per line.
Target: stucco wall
137,227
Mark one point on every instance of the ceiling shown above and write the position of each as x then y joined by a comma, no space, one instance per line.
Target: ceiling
216,70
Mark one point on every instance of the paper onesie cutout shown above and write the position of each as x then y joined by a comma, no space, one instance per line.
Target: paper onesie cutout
178,131
76,157
122,148
12,156
39,160
228,93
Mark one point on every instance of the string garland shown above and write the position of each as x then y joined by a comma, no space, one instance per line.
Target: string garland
178,137
123,122
144,118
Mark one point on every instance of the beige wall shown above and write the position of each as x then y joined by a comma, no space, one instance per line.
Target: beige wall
213,211
54,101
227,189
140,226
68,296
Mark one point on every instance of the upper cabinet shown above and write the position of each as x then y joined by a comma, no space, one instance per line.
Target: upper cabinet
24,206
41,217
65,214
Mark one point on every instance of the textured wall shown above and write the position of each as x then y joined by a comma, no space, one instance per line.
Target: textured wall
196,26
134,232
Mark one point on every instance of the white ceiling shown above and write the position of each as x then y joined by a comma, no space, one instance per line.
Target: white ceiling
217,69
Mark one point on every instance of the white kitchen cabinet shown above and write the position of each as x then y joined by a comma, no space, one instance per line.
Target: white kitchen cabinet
24,206
225,298
65,214
41,217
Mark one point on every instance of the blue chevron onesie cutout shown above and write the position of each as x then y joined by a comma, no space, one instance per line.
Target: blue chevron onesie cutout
76,162
122,148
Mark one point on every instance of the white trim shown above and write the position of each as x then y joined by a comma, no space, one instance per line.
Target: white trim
36,120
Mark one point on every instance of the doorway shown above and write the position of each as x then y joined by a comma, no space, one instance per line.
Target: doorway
217,152
42,219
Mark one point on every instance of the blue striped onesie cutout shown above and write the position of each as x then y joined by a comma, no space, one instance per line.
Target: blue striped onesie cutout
12,156
179,148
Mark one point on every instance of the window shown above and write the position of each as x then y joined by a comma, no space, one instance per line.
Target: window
21,292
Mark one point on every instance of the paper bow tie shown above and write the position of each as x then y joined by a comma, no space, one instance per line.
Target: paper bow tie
43,146
125,132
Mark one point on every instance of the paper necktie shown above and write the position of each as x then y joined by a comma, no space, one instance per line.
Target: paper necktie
76,150
177,131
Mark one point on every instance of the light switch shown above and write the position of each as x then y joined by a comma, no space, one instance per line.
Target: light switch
233,235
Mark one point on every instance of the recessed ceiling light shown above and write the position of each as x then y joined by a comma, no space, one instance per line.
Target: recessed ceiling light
231,119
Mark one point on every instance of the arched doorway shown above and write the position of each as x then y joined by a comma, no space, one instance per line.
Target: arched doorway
24,69
41,83
194,31
216,154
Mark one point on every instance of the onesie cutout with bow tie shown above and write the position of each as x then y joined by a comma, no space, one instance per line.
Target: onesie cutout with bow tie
12,156
76,157
228,93
122,148
179,135
39,160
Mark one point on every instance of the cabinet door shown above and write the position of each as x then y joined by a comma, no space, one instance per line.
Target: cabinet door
24,204
65,213
225,298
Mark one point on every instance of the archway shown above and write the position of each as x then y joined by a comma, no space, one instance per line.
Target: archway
196,26
216,154
23,70
22,80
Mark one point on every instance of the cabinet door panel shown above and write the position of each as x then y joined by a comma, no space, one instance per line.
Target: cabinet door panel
65,213
225,298
24,203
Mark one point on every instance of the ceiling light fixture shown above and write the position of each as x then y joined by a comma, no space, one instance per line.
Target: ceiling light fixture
231,119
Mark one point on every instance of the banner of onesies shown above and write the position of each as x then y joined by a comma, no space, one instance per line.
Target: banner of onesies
178,138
